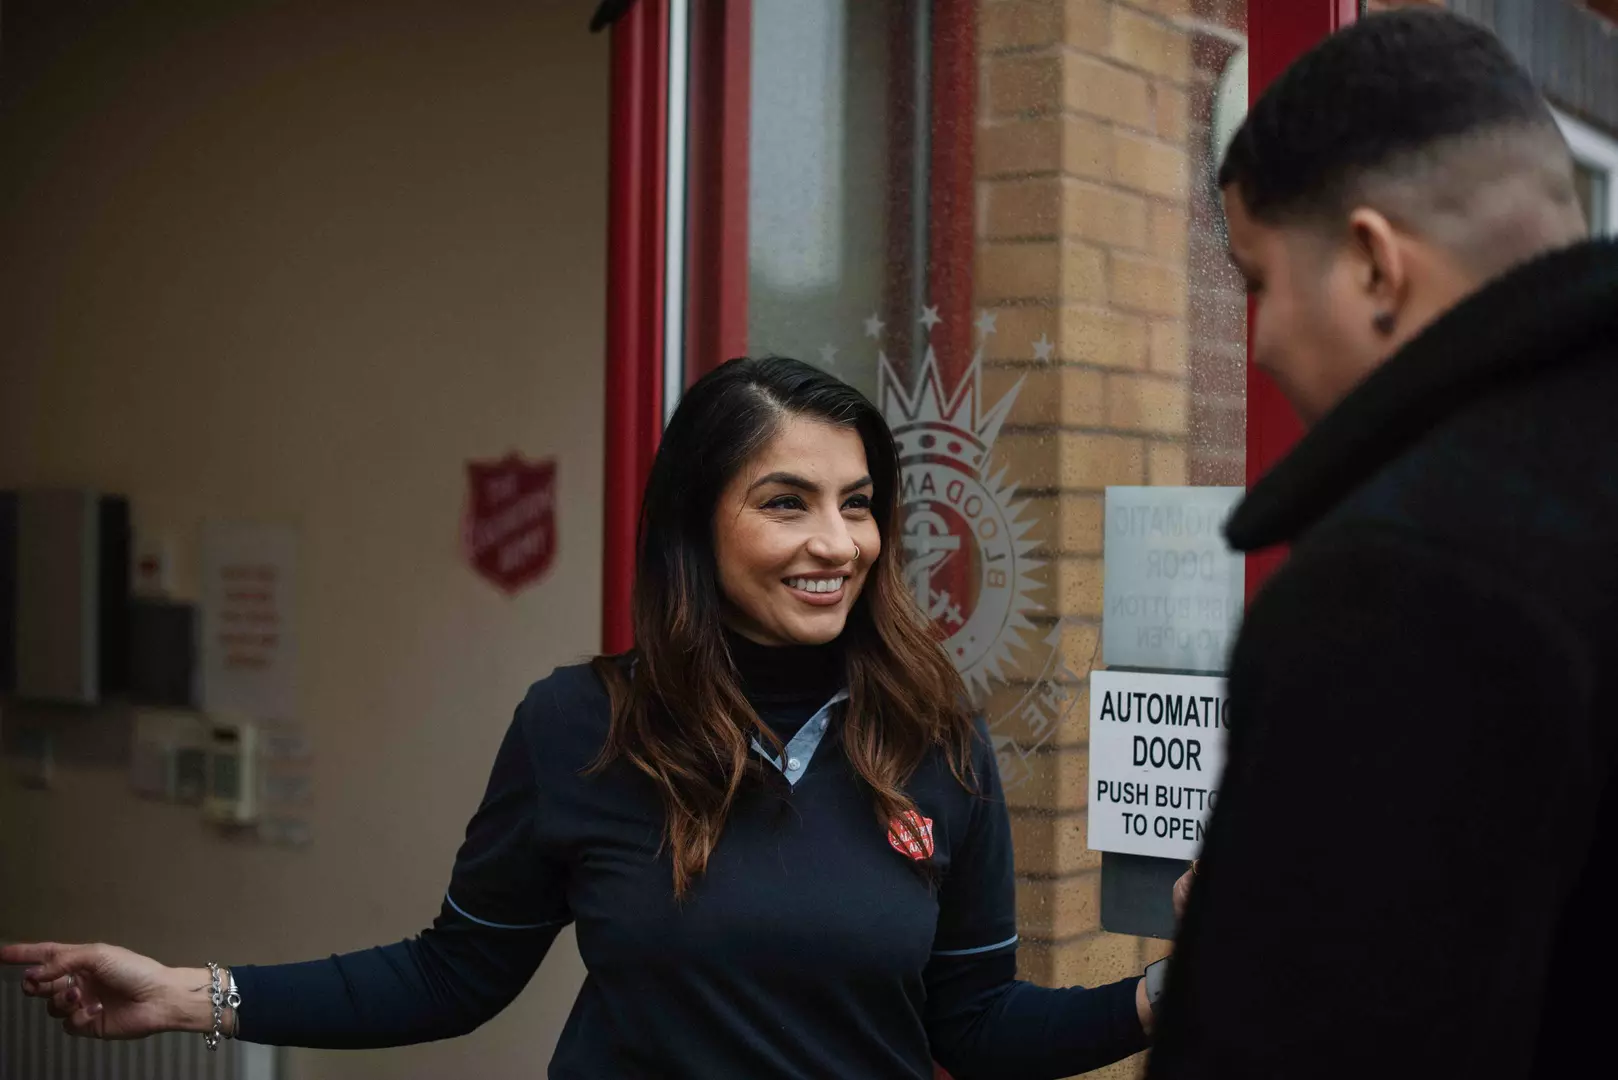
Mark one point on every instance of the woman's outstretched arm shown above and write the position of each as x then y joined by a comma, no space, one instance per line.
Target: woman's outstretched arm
503,909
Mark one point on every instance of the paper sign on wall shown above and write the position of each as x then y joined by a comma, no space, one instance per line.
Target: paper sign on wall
1157,750
248,645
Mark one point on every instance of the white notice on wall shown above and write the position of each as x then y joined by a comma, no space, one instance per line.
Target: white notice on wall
247,619
1157,749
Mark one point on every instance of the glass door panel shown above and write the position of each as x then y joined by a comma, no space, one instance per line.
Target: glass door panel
998,220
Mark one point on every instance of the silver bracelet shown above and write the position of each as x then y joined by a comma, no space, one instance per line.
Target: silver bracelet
222,996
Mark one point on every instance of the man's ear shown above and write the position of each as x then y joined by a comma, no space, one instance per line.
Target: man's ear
1381,268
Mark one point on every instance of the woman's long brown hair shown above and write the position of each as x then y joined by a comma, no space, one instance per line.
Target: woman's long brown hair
678,711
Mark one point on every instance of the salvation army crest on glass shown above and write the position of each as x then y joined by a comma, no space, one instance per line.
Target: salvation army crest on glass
969,545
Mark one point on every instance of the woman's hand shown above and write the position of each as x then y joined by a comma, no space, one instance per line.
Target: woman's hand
110,993
1182,890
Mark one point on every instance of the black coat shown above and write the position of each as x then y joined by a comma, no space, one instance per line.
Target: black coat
1410,869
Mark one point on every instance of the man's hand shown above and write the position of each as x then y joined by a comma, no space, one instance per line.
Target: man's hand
1182,890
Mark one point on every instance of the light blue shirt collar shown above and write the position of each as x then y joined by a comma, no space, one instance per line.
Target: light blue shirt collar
803,745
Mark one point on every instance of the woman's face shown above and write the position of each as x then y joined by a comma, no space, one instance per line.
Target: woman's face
795,537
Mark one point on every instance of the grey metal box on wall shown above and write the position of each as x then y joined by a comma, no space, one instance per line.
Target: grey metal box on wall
58,596
71,589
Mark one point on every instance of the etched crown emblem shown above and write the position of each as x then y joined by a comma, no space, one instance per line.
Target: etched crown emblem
969,560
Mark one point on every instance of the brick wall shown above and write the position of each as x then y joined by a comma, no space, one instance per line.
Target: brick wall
1094,233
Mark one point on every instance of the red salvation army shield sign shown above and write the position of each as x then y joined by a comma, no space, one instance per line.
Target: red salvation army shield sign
510,527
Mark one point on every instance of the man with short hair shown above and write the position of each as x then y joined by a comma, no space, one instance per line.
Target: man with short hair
1408,873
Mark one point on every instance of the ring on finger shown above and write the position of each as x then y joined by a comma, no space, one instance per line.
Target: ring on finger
71,981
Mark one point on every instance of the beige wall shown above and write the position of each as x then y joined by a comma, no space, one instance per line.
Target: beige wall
298,263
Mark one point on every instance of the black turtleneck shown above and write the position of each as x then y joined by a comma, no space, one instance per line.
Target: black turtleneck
787,684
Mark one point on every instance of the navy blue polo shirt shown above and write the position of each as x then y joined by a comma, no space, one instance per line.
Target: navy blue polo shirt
811,947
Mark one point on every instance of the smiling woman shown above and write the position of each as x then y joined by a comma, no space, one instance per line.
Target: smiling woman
763,520
775,823
795,544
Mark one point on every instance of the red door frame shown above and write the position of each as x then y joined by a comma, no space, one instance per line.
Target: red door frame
716,263
636,235
1278,31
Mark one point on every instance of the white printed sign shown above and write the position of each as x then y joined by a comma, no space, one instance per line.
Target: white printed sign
1157,750
248,649
1173,589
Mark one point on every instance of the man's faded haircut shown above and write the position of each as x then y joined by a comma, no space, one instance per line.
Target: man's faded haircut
1390,97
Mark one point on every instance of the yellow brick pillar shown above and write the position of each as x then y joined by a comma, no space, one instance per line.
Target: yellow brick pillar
1084,186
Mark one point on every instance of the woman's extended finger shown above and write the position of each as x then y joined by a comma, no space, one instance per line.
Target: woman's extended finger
37,952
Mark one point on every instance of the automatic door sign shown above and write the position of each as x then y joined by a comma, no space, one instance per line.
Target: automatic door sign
1157,749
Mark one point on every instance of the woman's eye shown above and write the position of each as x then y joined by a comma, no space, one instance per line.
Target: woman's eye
784,502
858,502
